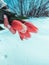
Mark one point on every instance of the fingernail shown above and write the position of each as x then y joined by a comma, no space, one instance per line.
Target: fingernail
5,16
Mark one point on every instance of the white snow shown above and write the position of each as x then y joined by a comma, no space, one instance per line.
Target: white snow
33,51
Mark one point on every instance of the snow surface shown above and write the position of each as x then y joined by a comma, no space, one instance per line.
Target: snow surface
33,51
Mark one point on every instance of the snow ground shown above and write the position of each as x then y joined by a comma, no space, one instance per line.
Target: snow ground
34,51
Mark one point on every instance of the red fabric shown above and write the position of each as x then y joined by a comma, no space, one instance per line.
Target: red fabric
24,35
31,27
17,25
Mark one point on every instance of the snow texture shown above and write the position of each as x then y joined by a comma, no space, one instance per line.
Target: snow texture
33,51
